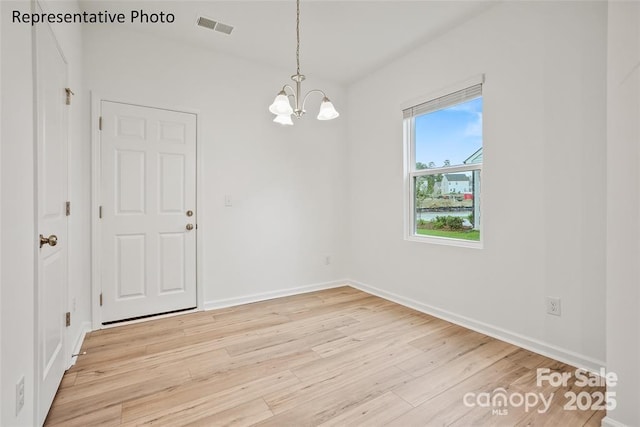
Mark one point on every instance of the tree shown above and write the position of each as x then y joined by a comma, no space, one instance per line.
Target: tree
421,192
431,179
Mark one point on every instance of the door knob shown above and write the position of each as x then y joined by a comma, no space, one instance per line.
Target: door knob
189,227
51,240
189,213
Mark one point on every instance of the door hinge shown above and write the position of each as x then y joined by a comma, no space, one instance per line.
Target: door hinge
100,299
100,123
68,208
100,212
69,93
67,318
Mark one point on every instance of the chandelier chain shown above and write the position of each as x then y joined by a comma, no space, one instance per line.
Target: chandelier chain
298,35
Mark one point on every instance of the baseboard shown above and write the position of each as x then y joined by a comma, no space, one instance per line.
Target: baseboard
230,302
610,422
84,328
552,351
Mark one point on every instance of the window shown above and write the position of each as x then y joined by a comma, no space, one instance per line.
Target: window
443,138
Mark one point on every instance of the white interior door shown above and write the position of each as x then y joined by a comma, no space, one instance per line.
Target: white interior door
148,203
51,288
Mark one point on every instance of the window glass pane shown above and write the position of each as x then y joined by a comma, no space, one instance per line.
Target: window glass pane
449,137
447,205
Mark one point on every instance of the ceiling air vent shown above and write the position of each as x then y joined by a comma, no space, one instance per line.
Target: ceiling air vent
214,25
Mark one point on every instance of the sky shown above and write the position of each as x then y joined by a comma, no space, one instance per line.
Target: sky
453,134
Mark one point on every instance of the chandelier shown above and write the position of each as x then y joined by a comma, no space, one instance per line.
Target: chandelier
282,107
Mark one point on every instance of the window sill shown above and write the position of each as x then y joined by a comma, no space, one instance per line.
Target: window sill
446,241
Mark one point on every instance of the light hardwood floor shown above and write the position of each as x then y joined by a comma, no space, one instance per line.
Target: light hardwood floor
339,357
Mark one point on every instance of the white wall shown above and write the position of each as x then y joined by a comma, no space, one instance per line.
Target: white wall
623,209
1,18
17,213
544,123
17,226
287,183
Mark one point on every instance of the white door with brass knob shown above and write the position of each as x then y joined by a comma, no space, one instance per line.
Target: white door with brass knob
148,200
51,241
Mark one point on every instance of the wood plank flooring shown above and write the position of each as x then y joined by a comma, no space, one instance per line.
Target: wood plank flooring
339,357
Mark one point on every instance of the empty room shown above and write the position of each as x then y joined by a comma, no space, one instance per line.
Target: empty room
277,213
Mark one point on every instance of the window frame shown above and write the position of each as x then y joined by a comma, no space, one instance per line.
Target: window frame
411,173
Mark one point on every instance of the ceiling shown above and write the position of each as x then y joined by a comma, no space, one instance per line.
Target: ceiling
340,40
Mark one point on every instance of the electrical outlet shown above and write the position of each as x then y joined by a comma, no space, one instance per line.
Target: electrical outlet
553,306
19,395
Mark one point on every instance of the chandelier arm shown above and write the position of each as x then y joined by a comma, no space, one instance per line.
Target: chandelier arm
293,93
304,101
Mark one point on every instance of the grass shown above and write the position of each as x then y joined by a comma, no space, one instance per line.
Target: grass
464,235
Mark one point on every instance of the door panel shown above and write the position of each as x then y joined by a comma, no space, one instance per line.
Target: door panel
172,132
130,187
148,184
131,275
51,287
53,273
172,183
172,262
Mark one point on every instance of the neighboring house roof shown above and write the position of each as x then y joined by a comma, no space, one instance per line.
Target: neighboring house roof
475,157
456,177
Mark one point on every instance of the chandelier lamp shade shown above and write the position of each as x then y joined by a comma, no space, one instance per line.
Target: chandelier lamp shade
289,101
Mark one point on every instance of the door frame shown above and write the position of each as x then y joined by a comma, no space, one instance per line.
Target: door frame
96,238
